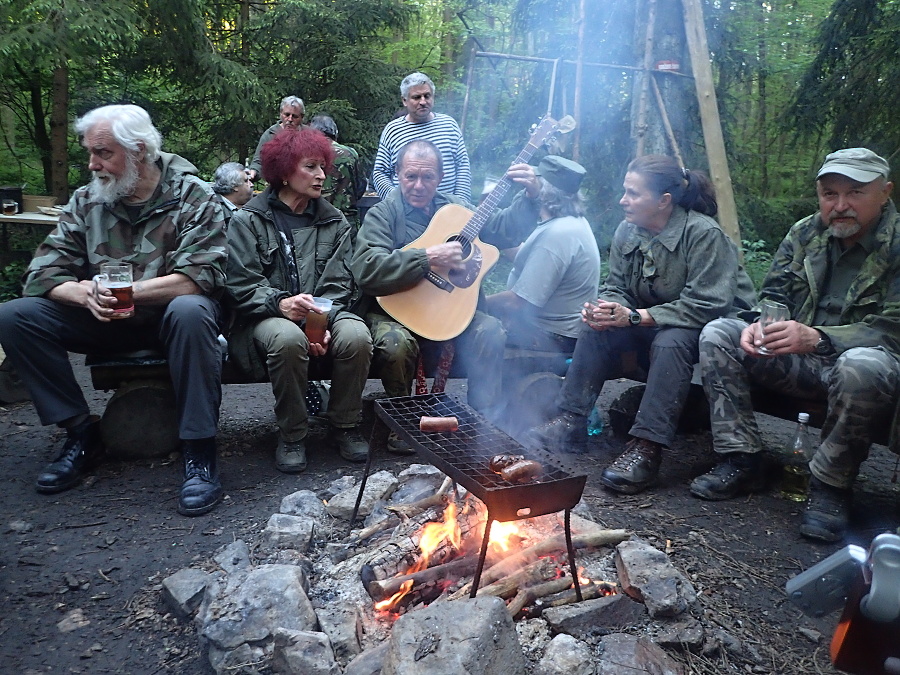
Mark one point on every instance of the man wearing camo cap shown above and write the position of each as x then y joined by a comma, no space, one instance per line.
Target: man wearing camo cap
838,272
147,209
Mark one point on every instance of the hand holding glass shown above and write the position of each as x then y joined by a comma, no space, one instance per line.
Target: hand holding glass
770,312
118,279
317,324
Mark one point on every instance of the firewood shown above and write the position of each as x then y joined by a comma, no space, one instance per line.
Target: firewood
404,512
528,595
545,547
589,591
381,590
539,570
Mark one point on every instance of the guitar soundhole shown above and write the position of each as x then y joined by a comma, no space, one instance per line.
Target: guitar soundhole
466,245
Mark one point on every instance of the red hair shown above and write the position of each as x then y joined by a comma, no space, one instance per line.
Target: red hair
283,153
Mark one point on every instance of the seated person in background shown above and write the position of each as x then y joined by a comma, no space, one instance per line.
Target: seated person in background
232,182
381,267
838,272
671,270
145,208
291,113
345,183
556,271
286,246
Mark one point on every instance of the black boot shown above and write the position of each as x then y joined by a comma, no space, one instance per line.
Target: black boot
201,490
82,451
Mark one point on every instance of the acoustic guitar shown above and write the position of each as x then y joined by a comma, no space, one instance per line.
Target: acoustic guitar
441,306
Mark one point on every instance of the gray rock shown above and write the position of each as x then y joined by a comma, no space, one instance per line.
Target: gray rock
284,531
343,626
583,619
629,654
303,653
245,660
303,503
646,574
183,591
566,656
686,632
337,486
378,486
455,638
369,662
269,597
233,557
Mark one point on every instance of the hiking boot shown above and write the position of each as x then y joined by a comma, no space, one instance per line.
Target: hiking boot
634,470
82,451
740,473
827,512
201,490
349,443
398,446
566,432
290,456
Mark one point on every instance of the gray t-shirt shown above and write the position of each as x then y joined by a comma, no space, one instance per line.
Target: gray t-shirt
557,269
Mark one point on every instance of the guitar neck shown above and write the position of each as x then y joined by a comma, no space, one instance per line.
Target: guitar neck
486,209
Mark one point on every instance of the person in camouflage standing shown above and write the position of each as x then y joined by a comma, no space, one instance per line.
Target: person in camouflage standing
838,271
144,207
345,183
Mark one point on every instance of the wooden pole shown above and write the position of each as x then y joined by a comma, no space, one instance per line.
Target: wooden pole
709,118
641,126
579,81
664,115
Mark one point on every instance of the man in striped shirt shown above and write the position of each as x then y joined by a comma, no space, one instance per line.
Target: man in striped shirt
420,122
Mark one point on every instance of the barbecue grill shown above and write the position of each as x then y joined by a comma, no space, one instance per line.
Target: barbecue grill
464,455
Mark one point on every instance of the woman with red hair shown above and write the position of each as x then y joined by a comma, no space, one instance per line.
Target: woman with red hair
286,246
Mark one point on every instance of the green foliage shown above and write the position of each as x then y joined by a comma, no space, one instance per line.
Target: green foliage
757,260
11,280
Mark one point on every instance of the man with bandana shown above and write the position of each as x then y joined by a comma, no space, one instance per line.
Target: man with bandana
837,272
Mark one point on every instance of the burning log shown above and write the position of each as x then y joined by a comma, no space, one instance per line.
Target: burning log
528,595
512,563
381,590
589,591
539,570
404,512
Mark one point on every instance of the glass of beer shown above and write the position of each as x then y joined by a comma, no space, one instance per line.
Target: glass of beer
317,324
770,312
10,207
117,278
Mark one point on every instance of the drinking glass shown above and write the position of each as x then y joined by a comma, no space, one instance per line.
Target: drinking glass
770,312
117,278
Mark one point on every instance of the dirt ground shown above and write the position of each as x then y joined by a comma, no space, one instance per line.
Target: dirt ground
93,558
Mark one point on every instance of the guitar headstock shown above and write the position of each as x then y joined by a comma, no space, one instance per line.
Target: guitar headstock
546,130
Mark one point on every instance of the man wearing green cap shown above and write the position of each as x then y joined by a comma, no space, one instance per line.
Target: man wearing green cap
838,272
556,270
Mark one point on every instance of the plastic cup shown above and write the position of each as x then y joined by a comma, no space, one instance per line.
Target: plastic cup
770,312
317,324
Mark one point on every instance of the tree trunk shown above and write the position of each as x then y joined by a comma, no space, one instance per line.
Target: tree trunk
762,111
41,138
59,141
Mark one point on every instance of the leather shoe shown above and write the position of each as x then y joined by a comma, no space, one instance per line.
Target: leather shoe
634,470
566,432
398,446
290,456
827,512
350,444
740,473
82,451
201,490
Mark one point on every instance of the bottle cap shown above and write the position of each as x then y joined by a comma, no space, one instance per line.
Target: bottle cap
803,418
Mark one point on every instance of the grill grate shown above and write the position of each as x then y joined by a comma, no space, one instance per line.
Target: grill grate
464,456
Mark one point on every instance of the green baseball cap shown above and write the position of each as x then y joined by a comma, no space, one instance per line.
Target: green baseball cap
860,164
561,173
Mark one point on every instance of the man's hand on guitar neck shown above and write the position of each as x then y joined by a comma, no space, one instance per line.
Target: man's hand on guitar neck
445,257
524,175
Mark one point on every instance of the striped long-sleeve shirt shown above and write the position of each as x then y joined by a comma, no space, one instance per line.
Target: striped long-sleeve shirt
444,132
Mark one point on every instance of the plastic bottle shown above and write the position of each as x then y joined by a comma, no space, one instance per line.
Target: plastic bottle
795,476
595,423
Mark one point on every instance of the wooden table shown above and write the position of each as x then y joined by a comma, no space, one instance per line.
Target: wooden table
29,219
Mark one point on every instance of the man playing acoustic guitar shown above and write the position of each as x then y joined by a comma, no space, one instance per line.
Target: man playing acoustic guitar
381,267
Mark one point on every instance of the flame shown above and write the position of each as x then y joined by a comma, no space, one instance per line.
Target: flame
502,535
387,605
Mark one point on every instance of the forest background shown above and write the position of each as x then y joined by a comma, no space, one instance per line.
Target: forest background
794,79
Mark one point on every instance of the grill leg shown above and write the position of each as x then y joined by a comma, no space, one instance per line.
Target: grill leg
481,557
377,442
571,550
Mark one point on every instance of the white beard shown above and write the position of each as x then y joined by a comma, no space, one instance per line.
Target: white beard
112,189
844,230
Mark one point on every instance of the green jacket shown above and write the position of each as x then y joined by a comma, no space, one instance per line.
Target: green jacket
381,268
267,135
345,183
258,274
871,313
693,266
181,229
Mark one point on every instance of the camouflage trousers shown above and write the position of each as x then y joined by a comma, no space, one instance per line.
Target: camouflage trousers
860,386
479,356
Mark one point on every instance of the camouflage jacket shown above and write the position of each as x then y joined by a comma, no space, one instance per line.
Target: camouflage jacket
258,273
345,183
871,312
180,229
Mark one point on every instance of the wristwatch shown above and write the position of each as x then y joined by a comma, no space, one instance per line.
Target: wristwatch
634,318
823,347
